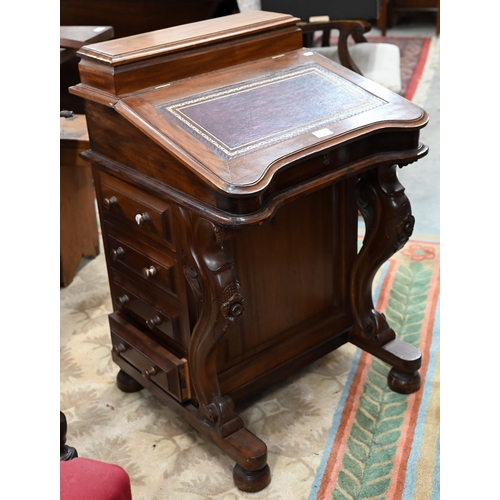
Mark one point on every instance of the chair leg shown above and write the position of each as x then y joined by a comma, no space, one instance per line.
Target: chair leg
67,452
437,18
382,17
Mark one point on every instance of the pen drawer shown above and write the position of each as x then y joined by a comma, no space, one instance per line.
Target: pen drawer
143,213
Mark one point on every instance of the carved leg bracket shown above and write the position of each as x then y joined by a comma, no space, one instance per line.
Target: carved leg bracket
211,274
389,224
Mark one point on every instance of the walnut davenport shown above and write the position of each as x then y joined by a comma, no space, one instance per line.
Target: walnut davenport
230,164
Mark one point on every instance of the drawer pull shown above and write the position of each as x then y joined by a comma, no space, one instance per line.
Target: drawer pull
153,322
149,372
142,219
148,272
109,203
119,348
117,253
123,300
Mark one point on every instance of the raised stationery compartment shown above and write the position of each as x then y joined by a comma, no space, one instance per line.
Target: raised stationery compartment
117,67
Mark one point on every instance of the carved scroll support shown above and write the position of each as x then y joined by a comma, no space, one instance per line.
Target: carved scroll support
389,224
211,274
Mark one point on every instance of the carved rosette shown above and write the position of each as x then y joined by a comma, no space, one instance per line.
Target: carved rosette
232,305
210,272
400,228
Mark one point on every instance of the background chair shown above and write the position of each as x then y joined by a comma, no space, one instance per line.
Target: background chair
380,62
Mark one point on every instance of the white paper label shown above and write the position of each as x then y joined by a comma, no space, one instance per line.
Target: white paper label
322,133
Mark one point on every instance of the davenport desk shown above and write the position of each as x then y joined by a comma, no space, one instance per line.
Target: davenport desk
230,164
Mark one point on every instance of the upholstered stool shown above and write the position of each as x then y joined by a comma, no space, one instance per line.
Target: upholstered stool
86,479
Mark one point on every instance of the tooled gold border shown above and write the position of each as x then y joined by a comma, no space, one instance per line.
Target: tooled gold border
370,101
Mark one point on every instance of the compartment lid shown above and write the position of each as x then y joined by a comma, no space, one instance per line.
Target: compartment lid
184,37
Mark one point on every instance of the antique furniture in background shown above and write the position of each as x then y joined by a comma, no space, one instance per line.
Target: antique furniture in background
131,17
71,39
336,10
392,10
229,177
380,62
79,235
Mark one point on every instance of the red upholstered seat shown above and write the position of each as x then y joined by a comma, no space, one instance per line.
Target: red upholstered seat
85,479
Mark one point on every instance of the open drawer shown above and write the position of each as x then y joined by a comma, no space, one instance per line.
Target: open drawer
154,361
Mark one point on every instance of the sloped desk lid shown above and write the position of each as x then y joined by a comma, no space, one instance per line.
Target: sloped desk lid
237,127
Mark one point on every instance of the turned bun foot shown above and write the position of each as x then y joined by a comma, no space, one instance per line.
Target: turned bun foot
404,383
126,383
251,481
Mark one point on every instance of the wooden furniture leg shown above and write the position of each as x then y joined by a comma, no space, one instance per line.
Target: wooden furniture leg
79,236
438,18
211,275
389,224
210,271
67,452
382,21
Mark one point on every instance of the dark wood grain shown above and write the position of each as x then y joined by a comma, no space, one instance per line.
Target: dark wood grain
231,241
130,17
394,10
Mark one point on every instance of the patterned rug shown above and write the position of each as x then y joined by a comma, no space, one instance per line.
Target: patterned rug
382,444
333,430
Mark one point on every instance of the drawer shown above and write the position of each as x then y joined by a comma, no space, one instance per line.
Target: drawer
148,312
156,363
155,268
139,210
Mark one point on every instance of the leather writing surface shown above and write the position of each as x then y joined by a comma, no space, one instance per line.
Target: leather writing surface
243,117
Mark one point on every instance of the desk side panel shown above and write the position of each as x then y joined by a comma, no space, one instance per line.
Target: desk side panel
116,139
294,273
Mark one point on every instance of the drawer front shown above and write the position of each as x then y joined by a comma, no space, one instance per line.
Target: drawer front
125,258
144,213
147,312
156,363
